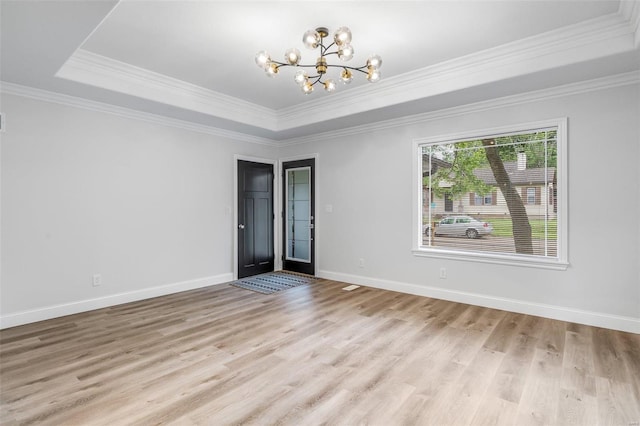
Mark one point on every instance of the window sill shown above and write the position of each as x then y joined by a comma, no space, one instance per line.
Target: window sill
496,259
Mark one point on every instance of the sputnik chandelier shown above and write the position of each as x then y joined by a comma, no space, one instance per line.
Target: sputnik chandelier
314,39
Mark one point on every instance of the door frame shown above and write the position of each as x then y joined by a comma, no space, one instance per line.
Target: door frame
317,225
277,253
277,210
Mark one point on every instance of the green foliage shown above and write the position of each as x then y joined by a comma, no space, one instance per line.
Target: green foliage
467,156
532,144
459,179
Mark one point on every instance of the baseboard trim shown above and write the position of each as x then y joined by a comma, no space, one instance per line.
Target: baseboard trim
55,311
597,319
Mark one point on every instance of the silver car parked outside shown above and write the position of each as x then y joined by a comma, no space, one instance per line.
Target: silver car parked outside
463,226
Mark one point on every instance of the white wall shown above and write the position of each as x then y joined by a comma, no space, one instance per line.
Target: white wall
366,178
148,207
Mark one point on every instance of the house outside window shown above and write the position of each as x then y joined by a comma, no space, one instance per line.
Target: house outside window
511,182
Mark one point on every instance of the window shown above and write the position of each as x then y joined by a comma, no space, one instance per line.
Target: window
482,200
509,191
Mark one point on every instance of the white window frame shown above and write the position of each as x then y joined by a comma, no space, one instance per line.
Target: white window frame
561,262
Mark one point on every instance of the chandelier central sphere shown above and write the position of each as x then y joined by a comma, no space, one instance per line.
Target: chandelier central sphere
314,39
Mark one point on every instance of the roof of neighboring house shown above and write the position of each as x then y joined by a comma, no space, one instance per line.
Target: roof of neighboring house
436,164
518,177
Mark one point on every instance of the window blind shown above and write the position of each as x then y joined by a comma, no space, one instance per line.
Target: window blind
492,194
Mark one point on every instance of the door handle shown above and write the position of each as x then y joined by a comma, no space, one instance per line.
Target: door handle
241,226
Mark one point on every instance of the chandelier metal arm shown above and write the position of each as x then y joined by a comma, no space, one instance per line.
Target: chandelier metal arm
323,49
318,79
363,69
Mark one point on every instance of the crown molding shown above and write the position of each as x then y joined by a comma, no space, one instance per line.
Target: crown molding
603,83
97,70
596,38
58,98
630,11
624,79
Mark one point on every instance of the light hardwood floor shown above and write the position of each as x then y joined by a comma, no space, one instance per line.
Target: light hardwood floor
315,354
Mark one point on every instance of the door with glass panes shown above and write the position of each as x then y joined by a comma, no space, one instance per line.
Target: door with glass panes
298,252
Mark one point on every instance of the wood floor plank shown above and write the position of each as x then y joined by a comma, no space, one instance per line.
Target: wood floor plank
576,408
494,411
539,401
315,354
508,382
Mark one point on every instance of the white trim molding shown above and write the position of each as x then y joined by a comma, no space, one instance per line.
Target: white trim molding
596,319
55,311
594,39
100,71
630,11
588,40
76,102
618,80
602,83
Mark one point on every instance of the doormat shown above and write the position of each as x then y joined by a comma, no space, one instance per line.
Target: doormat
274,281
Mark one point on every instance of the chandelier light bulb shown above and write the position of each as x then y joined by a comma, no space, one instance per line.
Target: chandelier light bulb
342,36
346,76
307,88
272,69
329,85
311,39
301,77
263,59
374,61
292,56
373,75
345,52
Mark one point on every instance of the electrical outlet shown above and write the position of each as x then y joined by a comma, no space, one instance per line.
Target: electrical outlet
97,280
443,273
360,263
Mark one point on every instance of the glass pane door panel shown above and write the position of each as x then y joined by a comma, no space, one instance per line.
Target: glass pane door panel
298,214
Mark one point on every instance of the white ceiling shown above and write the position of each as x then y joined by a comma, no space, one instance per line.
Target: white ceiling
194,60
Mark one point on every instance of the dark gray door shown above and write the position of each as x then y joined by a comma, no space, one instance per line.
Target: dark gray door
298,221
255,218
